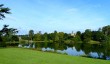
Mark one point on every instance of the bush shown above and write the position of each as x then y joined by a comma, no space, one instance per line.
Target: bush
12,44
2,44
22,41
67,41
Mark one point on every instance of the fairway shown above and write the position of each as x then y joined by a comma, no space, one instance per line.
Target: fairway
27,56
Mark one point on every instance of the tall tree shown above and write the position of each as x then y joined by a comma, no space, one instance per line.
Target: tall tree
3,11
78,33
87,35
31,34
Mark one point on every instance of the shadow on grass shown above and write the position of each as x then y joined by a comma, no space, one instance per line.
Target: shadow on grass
103,58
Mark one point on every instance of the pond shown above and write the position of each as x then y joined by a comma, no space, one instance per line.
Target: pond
79,49
73,52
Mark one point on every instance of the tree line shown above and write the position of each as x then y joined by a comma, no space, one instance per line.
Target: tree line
100,36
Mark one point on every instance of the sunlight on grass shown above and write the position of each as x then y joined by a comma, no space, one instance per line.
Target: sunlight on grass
26,56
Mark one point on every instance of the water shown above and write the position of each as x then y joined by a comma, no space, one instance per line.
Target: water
73,52
80,49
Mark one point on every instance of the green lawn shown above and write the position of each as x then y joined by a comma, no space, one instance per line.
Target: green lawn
26,56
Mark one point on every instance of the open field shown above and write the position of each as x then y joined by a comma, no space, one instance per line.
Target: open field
27,56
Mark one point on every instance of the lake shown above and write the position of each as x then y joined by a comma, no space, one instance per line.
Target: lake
79,49
73,52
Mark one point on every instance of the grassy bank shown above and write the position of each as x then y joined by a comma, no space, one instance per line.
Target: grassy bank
26,56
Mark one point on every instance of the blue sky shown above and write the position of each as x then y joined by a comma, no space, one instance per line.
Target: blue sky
60,15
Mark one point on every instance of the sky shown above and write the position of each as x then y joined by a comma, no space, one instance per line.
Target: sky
61,15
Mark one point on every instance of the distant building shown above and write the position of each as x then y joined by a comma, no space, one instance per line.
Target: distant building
19,38
73,34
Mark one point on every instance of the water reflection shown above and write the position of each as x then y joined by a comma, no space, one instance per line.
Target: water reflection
78,49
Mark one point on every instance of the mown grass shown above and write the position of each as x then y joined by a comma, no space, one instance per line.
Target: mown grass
26,56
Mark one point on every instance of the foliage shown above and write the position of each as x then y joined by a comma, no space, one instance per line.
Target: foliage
22,42
45,37
31,34
77,39
15,38
37,37
24,37
78,33
6,35
12,44
2,44
92,37
106,30
87,35
3,11
67,41
97,36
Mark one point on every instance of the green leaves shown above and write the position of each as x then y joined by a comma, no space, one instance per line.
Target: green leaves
3,11
31,34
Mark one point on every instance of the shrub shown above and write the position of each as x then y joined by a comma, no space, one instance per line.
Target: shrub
2,44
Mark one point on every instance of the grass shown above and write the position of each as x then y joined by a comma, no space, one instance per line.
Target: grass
94,42
27,56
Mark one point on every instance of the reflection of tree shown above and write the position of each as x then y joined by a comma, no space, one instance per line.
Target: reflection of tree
98,49
106,47
54,45
86,48
59,46
101,50
78,46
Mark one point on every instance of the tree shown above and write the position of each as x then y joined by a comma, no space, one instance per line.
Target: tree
61,36
78,33
77,39
7,33
24,37
97,36
15,38
45,37
37,37
106,30
56,37
3,11
87,35
31,34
